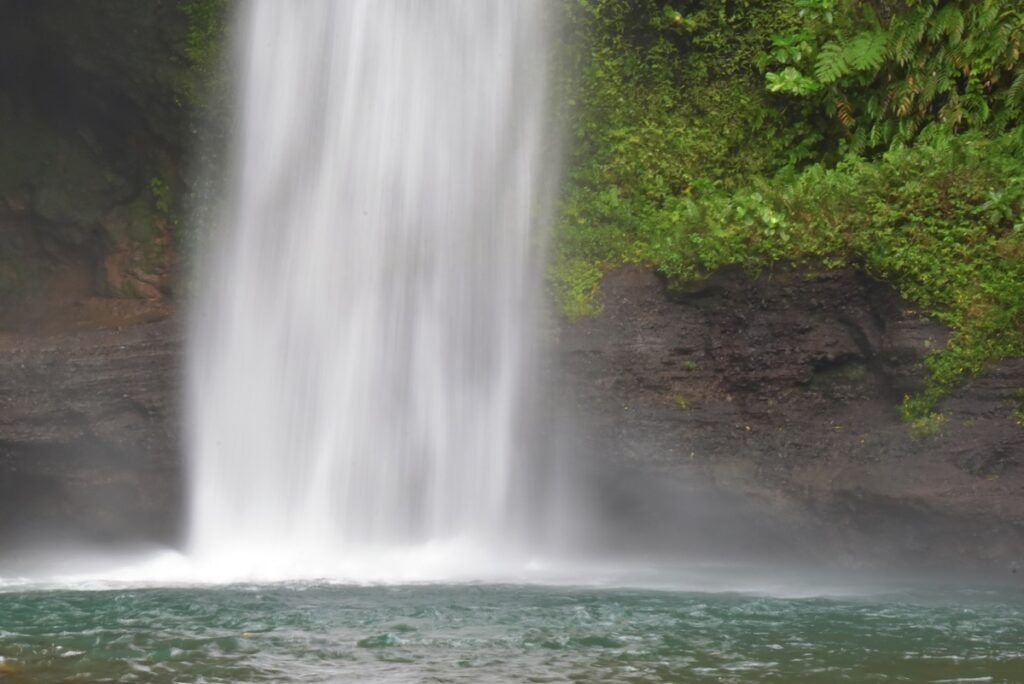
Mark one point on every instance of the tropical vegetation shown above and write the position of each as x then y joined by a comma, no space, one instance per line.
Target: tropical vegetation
883,135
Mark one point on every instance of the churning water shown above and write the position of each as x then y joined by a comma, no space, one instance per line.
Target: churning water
505,634
360,358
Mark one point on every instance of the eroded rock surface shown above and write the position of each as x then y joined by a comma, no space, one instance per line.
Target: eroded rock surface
777,395
786,389
89,436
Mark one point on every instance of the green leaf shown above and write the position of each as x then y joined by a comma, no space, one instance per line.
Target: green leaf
866,52
831,63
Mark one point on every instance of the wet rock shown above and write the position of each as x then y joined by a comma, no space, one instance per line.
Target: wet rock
779,395
785,389
97,115
89,436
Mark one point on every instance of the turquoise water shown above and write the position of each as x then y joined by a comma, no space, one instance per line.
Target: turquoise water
469,633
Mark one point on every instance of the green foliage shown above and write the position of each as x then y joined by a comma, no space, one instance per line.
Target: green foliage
211,97
206,30
826,133
663,99
579,287
941,221
682,402
926,424
1017,402
955,62
162,196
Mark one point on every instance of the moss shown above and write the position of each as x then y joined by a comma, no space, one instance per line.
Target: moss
926,425
204,40
1017,406
577,285
682,402
161,196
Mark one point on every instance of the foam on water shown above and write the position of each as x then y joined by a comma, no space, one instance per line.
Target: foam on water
435,564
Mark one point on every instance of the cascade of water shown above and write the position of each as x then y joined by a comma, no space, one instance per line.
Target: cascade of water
361,352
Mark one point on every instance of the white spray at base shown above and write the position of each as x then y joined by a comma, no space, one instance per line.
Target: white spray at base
360,357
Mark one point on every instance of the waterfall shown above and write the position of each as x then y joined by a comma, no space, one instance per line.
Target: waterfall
361,348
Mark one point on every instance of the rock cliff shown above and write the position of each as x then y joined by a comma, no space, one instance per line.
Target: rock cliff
785,389
779,392
98,102
89,436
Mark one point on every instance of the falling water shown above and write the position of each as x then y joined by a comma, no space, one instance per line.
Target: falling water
360,358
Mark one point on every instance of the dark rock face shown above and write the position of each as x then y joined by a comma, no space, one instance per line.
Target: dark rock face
89,437
768,407
95,104
785,389
115,73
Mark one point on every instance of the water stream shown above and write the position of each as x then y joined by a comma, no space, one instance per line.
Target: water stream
362,352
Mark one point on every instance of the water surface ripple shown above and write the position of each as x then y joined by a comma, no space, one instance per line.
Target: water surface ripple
428,633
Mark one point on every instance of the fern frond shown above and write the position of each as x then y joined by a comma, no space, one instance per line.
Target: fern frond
874,106
977,107
866,52
906,130
948,22
882,133
859,141
831,64
905,36
1015,93
902,50
923,17
984,15
1004,31
975,103
844,112
929,87
953,112
946,57
901,46
902,100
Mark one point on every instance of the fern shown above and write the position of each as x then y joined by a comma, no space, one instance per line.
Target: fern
1015,93
947,22
867,51
1003,33
906,33
903,96
974,102
930,86
985,14
844,112
859,141
958,63
954,112
831,63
